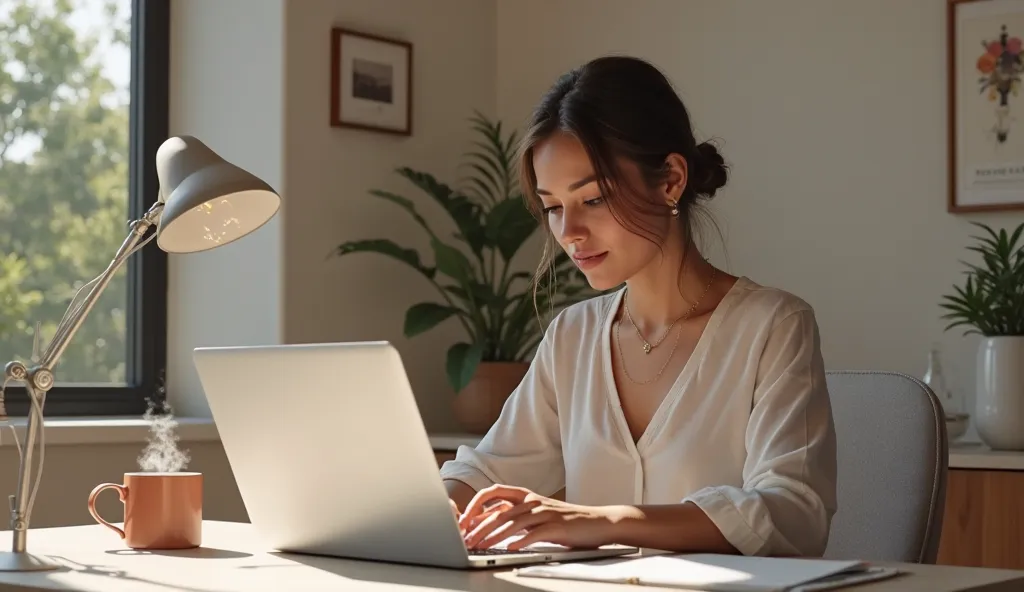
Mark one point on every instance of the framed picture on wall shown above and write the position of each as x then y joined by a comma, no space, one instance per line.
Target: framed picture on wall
986,106
371,82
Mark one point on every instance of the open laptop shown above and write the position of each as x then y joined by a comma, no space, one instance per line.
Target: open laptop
331,456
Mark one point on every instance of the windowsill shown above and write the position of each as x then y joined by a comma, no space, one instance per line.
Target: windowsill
110,430
135,430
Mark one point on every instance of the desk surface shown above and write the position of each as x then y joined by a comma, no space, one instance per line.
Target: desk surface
93,559
973,455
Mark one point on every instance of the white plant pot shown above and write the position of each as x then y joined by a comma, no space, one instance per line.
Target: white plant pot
999,408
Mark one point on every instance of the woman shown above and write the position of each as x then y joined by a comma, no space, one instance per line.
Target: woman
687,411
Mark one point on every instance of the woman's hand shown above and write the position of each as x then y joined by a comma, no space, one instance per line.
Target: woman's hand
501,511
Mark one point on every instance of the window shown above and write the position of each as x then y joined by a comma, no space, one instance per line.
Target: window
83,109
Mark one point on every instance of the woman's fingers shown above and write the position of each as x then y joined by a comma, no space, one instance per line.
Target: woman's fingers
483,529
480,501
526,522
547,532
497,519
499,506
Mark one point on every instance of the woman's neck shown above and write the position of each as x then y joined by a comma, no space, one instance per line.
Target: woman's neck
667,290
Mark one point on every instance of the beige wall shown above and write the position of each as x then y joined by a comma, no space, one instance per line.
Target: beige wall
329,171
227,89
833,117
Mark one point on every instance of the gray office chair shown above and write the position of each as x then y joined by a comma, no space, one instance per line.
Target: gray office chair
893,462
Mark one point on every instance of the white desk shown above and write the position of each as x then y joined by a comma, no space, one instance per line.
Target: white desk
974,455
94,559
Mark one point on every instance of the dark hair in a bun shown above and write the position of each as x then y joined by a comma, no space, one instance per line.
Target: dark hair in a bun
712,171
624,108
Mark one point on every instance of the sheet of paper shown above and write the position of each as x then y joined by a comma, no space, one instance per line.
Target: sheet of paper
727,573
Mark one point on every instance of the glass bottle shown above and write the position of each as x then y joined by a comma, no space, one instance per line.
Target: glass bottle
936,380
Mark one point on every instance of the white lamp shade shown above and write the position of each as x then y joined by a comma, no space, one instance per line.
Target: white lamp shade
208,202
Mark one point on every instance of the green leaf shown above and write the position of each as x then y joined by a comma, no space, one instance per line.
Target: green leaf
494,146
495,176
479,294
385,247
425,316
486,182
467,214
522,321
991,300
462,362
509,225
506,286
481,189
406,204
451,262
1016,236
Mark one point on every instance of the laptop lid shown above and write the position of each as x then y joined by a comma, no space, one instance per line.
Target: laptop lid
329,451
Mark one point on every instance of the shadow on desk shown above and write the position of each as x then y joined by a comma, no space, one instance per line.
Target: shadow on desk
466,580
114,573
197,553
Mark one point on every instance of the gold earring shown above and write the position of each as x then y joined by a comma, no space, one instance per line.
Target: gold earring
675,210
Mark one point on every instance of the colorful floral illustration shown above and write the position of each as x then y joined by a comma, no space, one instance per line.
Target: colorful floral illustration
1002,66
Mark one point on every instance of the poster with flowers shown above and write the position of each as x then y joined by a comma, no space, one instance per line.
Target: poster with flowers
986,119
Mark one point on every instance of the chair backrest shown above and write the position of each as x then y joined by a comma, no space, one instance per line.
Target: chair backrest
893,463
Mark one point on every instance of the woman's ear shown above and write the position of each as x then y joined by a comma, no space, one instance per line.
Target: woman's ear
675,180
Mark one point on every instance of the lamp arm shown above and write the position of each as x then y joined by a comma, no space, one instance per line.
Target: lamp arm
76,316
39,379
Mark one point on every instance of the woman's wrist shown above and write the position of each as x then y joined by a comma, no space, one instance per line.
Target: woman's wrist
678,528
619,523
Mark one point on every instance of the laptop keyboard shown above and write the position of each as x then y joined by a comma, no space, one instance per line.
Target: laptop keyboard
493,551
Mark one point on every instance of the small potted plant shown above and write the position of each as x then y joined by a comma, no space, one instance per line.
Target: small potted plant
497,307
991,304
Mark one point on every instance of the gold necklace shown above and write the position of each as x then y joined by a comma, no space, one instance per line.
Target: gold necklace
622,358
648,346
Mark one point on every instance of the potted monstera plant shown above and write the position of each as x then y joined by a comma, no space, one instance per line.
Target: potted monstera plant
472,272
991,305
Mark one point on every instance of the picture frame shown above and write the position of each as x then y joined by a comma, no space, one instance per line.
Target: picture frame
985,67
371,82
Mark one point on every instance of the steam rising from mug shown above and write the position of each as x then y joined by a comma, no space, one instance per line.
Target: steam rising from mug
162,454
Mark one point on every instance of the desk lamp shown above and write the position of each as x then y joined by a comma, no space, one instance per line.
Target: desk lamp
204,202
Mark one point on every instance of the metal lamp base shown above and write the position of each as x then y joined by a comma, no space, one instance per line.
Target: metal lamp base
10,561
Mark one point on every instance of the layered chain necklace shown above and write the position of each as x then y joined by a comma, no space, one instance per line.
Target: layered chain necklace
647,345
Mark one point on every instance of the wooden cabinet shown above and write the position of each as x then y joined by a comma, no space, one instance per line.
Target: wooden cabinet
983,524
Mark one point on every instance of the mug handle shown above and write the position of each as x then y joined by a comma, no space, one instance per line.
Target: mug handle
122,492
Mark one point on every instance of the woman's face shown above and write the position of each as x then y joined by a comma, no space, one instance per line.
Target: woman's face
580,220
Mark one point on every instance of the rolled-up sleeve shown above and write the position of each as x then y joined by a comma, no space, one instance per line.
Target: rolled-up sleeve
523,448
788,497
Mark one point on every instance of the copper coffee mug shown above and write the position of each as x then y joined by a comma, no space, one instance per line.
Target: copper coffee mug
161,510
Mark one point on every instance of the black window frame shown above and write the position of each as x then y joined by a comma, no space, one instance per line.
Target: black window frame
146,340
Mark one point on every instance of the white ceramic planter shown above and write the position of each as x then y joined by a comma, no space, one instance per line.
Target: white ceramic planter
999,408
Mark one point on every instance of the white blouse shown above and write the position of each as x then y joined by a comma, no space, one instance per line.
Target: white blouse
745,432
